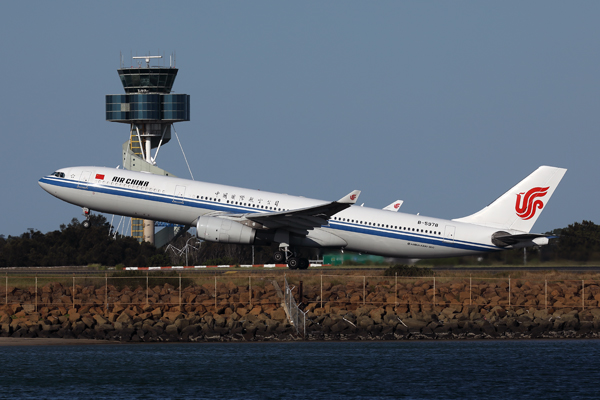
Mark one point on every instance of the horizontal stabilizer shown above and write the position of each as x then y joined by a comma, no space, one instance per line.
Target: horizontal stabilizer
505,239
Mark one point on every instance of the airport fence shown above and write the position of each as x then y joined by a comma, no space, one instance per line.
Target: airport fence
296,316
212,293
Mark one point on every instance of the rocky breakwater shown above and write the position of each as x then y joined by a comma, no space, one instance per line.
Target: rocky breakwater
144,315
451,310
454,309
451,322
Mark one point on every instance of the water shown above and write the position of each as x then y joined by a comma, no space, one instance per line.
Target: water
535,369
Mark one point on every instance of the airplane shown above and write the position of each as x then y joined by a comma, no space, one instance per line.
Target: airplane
235,215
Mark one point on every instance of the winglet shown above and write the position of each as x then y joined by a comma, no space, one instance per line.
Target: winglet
350,198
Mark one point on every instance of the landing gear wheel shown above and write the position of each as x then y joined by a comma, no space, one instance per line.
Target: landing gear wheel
86,224
293,263
303,263
279,256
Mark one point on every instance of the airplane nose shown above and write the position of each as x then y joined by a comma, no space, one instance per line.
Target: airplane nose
44,185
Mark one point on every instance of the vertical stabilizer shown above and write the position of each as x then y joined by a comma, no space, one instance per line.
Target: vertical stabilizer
521,206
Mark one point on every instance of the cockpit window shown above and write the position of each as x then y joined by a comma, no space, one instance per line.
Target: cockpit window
58,174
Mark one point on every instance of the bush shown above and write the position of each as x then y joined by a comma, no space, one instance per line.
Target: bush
155,278
407,270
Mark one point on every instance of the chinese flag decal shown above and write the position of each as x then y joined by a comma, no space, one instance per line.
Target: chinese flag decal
99,176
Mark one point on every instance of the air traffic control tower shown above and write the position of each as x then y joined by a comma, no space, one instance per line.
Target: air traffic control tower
150,109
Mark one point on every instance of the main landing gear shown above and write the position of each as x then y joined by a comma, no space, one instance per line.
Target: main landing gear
86,223
290,258
293,261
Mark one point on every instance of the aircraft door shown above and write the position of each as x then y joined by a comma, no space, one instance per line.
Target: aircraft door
179,193
449,234
84,179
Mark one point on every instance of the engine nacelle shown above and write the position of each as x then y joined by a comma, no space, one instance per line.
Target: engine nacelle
215,229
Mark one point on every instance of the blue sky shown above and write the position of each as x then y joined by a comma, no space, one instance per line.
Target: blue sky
445,105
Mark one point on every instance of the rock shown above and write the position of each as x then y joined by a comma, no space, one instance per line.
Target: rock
157,312
572,324
181,324
123,318
89,322
77,328
102,327
414,325
172,330
256,310
499,311
100,320
364,322
586,327
361,311
279,314
375,330
5,328
442,329
391,320
190,330
173,315
376,315
271,325
220,321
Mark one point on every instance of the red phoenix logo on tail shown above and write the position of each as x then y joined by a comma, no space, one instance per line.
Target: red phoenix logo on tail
353,197
527,205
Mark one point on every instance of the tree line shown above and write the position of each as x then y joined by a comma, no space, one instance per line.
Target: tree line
73,245
579,242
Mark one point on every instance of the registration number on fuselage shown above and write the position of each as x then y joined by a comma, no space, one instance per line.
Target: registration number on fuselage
427,223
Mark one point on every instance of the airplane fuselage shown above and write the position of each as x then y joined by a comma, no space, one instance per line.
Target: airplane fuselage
183,201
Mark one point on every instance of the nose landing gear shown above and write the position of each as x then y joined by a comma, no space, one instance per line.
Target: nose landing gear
86,223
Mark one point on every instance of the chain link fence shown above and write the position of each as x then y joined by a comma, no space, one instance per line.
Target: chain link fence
296,316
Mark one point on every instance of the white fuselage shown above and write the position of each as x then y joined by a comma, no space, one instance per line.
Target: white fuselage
183,201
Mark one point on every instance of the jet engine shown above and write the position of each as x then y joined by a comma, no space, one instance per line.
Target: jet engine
215,229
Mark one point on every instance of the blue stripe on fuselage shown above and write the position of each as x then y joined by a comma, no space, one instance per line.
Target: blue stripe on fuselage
410,237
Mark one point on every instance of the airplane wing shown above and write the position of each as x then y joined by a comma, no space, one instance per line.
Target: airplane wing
395,206
302,220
